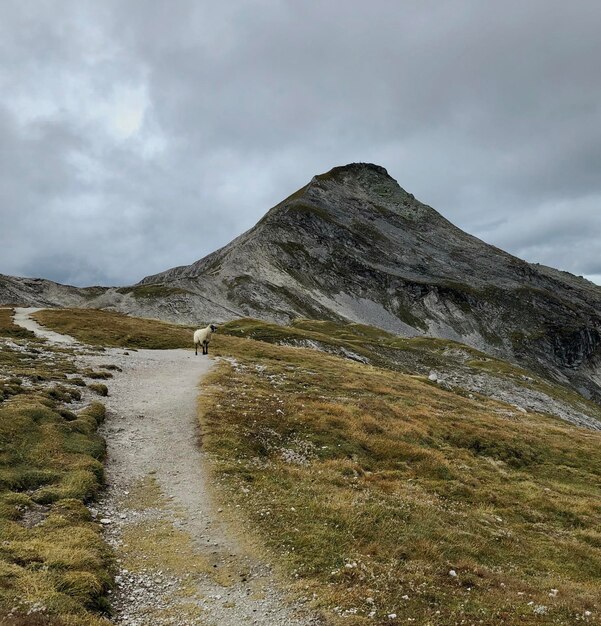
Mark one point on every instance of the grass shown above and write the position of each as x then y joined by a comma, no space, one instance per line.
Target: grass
99,388
9,329
368,484
54,565
412,356
110,329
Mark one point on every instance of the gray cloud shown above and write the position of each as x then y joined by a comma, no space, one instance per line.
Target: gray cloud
141,135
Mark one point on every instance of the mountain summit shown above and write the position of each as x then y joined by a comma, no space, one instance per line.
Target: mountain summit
353,245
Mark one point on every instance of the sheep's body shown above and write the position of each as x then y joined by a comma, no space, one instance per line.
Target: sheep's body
202,336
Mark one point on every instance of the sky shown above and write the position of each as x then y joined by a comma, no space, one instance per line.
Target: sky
137,135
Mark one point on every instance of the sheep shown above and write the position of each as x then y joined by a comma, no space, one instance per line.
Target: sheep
202,336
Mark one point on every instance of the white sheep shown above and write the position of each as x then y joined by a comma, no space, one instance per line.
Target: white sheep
202,336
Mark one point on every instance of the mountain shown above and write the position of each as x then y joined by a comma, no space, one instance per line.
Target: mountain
352,245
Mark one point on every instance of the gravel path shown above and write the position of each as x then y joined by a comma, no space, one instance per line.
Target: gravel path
179,562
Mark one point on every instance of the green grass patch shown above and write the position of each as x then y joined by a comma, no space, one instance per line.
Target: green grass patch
54,565
152,291
105,328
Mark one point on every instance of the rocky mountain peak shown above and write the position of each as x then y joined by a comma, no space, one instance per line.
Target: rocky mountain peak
350,195
356,170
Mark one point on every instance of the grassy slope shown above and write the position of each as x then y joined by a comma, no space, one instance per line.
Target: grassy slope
410,356
52,555
373,484
115,329
10,330
369,485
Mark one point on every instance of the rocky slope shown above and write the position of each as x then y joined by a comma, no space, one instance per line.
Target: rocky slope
353,245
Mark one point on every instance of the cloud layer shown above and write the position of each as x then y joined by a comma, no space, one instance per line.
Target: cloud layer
139,135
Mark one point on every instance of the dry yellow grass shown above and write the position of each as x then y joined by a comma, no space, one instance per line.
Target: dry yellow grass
105,328
9,329
371,486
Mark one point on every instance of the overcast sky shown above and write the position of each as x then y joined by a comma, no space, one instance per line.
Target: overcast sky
136,135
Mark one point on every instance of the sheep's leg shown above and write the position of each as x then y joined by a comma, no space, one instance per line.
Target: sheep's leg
195,349
207,347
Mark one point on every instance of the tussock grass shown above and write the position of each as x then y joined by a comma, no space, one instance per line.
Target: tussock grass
107,328
99,388
89,373
54,565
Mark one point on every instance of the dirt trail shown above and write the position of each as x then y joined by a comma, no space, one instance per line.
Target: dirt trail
179,564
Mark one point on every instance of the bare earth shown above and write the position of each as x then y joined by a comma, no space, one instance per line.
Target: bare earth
179,562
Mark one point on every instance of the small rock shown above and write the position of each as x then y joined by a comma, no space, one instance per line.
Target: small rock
106,520
452,573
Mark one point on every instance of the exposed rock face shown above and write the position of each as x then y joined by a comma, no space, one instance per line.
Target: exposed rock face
352,244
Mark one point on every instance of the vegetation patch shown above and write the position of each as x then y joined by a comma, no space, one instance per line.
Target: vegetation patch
311,210
99,388
152,291
383,494
9,329
54,565
106,328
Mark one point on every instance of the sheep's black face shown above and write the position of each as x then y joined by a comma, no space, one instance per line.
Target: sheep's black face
213,328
